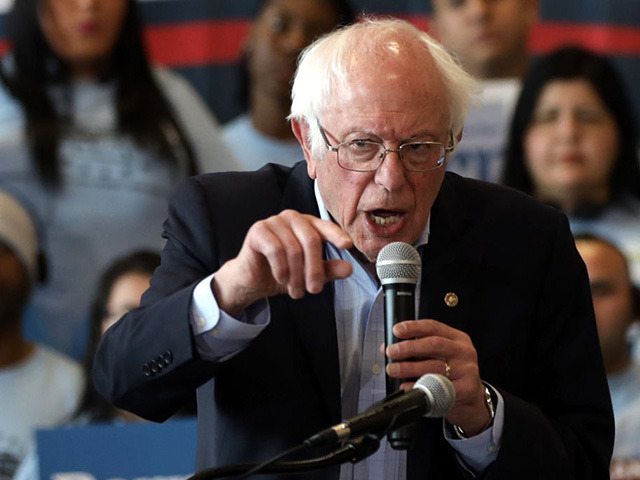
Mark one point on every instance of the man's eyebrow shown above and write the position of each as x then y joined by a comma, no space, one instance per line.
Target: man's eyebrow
430,137
424,136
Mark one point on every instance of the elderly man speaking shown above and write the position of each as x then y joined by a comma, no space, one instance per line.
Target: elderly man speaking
267,300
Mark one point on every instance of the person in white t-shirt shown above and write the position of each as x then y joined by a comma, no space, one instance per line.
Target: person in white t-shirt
39,387
490,38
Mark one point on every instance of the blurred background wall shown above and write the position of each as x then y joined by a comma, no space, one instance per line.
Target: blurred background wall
202,38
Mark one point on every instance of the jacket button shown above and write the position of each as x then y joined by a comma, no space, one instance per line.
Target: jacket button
161,362
154,367
168,357
146,370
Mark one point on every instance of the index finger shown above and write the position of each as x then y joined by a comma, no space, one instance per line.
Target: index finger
425,328
331,232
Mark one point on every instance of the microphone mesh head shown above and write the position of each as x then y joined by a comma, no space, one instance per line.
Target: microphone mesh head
441,393
398,262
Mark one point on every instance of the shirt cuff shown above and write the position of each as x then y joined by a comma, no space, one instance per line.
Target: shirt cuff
219,336
477,453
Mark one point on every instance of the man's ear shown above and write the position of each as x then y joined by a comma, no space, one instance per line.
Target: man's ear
459,136
301,131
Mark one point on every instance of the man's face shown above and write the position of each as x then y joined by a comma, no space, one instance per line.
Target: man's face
398,101
487,35
612,296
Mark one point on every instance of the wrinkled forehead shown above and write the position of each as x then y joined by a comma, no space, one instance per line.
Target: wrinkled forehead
392,75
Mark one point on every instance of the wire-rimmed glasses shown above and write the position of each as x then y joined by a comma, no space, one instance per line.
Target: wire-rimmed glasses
368,155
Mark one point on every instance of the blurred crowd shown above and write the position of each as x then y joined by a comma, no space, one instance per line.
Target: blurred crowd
93,140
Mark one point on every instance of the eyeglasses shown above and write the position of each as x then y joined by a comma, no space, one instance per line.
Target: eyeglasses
367,155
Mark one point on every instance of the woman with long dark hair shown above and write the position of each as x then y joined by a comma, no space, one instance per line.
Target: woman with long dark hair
97,139
573,145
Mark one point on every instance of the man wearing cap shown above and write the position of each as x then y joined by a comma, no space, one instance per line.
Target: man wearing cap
38,386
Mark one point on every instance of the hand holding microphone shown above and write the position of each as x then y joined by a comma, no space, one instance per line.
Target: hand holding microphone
421,346
398,267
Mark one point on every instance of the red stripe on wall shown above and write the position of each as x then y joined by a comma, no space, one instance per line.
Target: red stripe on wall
606,39
220,42
196,43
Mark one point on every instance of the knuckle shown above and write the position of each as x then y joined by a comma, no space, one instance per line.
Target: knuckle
437,344
294,253
403,349
311,241
271,250
258,228
465,337
464,389
400,369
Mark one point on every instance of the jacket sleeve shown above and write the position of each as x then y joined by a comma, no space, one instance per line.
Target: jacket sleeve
147,362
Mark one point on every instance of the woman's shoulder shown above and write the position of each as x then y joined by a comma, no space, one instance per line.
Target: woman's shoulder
172,83
165,75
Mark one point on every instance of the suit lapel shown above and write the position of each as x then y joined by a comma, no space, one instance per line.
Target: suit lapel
450,266
314,315
450,263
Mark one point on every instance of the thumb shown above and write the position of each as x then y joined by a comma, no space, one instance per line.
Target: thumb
336,269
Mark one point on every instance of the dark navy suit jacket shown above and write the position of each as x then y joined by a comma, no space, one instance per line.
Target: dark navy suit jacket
523,299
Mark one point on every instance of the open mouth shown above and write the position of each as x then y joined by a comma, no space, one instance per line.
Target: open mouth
384,217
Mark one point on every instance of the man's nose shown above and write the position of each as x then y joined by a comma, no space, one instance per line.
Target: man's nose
391,172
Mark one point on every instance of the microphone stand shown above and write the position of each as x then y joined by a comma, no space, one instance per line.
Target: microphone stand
352,451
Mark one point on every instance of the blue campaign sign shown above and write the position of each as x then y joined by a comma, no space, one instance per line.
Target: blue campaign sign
118,451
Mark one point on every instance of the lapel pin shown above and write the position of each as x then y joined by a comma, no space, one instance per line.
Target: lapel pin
451,299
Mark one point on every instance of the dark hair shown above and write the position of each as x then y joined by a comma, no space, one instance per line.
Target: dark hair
574,63
143,262
142,109
345,15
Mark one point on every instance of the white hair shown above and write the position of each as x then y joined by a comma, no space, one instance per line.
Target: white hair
324,65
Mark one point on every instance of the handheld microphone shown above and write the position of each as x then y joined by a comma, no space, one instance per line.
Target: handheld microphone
432,396
398,267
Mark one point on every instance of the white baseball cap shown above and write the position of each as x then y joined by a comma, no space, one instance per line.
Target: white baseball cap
18,232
